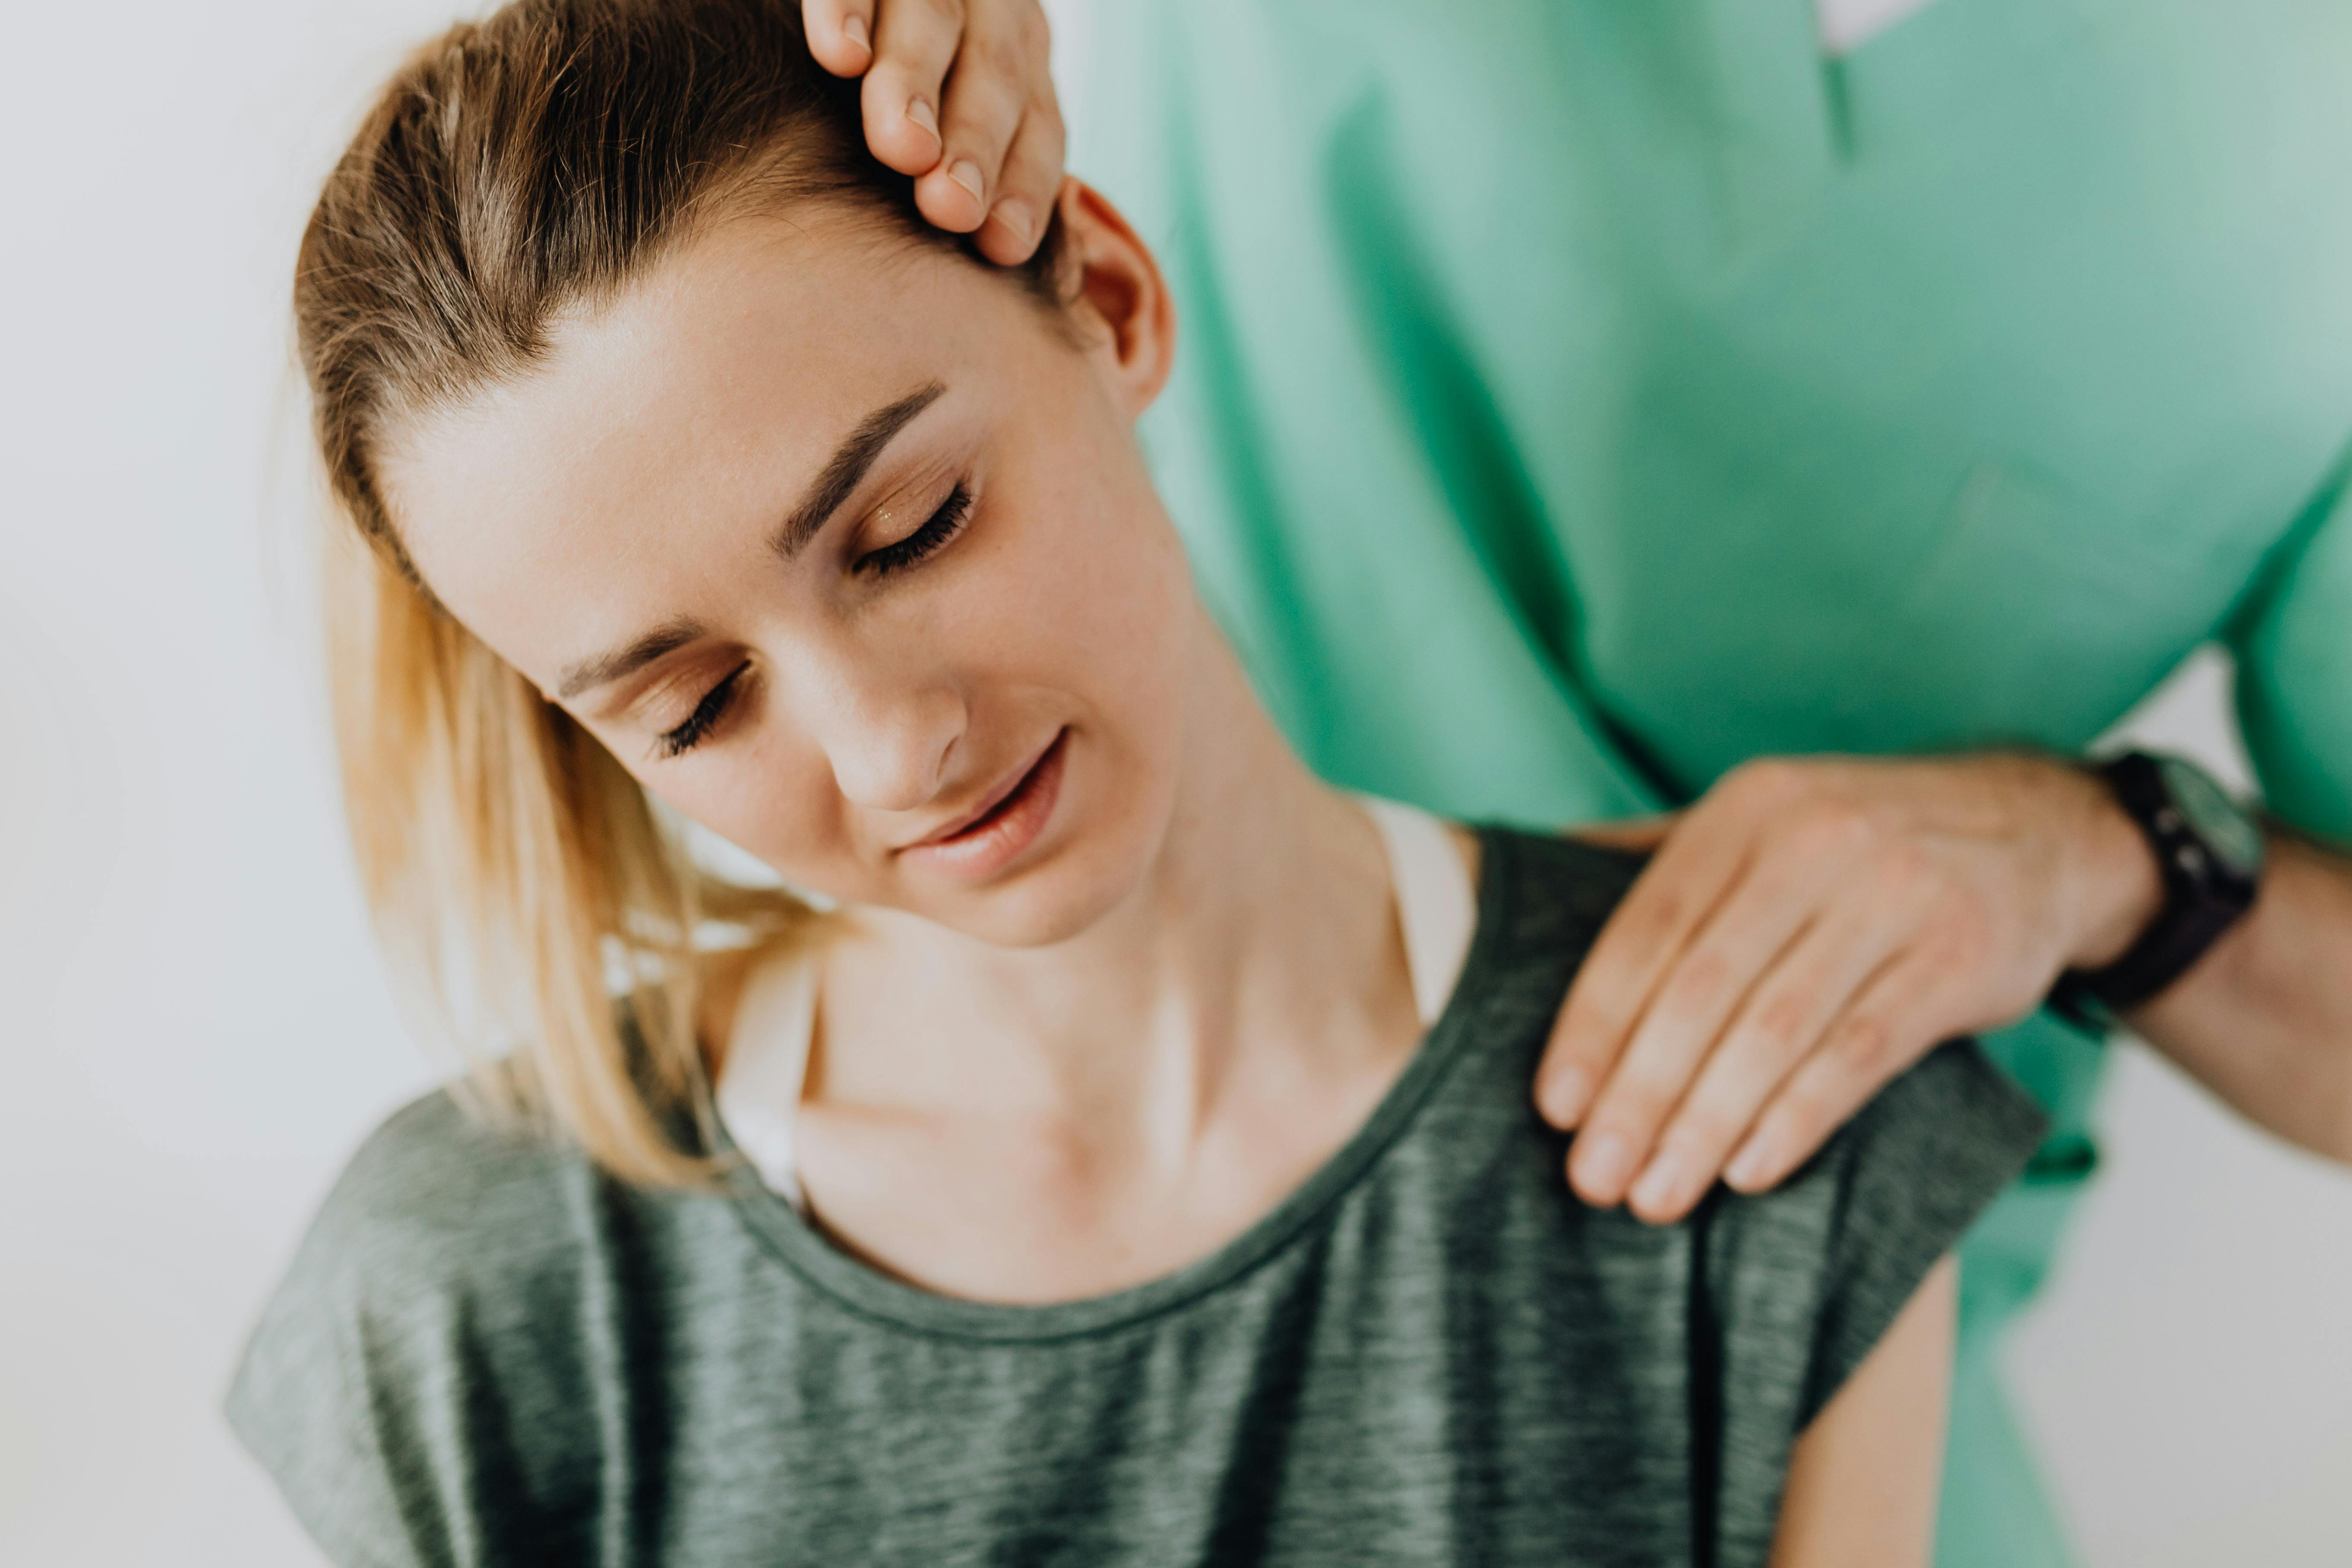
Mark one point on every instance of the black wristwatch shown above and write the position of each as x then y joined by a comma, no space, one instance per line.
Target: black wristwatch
2210,851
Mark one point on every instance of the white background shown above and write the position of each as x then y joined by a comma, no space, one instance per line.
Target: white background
197,1032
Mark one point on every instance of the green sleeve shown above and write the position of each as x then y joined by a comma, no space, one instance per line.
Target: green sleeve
2294,644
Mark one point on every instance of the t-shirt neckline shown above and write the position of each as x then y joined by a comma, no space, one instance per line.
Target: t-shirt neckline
870,1293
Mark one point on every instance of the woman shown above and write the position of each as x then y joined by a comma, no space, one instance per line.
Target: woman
1111,1175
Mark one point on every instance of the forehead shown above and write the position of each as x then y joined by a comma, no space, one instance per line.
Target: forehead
662,424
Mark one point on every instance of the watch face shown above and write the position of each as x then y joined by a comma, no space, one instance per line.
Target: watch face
2227,827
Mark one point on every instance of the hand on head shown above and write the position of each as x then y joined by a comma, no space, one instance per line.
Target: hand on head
961,97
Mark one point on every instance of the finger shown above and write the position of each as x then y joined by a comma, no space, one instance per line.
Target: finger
1634,833
1031,180
986,93
1677,890
914,42
1703,850
1883,1029
1753,926
1781,1022
840,34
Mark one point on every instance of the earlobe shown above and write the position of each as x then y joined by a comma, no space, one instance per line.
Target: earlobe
1119,287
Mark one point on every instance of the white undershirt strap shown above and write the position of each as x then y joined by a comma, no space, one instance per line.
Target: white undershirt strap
766,1067
1435,903
765,1070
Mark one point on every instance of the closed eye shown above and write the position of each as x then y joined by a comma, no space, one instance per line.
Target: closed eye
707,714
937,529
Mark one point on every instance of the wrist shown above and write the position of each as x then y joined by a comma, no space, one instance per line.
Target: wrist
2119,889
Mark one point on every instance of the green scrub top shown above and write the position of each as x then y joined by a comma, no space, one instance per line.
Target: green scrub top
1578,397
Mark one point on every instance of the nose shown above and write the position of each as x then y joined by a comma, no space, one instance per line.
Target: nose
886,732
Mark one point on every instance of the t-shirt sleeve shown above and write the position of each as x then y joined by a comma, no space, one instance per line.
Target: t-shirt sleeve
2295,671
396,1363
300,1405
1909,1175
1795,1286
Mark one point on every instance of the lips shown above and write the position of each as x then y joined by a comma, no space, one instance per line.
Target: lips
995,799
1004,823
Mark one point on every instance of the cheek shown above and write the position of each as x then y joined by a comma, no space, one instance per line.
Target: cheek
775,802
1132,631
1101,592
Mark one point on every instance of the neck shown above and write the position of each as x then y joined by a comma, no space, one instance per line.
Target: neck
1259,956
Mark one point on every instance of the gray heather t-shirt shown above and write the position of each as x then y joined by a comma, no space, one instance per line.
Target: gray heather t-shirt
486,1351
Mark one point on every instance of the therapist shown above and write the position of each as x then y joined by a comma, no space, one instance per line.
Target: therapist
1583,399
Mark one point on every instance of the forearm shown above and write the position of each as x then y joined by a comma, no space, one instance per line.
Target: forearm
2264,1019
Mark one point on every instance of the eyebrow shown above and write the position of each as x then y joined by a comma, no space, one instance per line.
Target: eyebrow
840,477
659,643
846,468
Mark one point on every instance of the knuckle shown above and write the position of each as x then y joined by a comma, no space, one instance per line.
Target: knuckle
1036,28
1001,53
1865,1042
1772,781
1706,972
1661,918
1765,779
1591,1034
927,44
1903,868
1834,829
1781,1017
1045,117
1960,947
991,55
1593,1038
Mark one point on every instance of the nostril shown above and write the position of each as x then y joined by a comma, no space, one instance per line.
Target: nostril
890,735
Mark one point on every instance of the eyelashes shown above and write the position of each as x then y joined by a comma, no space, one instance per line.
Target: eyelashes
937,529
707,712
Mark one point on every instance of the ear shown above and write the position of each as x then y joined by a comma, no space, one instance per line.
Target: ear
1119,293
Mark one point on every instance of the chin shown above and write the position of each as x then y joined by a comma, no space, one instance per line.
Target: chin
1064,896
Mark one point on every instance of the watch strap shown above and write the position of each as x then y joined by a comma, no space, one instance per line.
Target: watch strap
2203,899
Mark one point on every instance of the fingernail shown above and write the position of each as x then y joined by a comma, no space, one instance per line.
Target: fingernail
1607,1162
919,111
1566,1094
1014,217
1750,1167
966,173
854,29
1661,1186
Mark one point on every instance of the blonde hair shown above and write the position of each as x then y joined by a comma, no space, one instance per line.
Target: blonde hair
514,870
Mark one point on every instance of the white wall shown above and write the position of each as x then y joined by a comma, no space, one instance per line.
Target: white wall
2189,1372
200,1032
